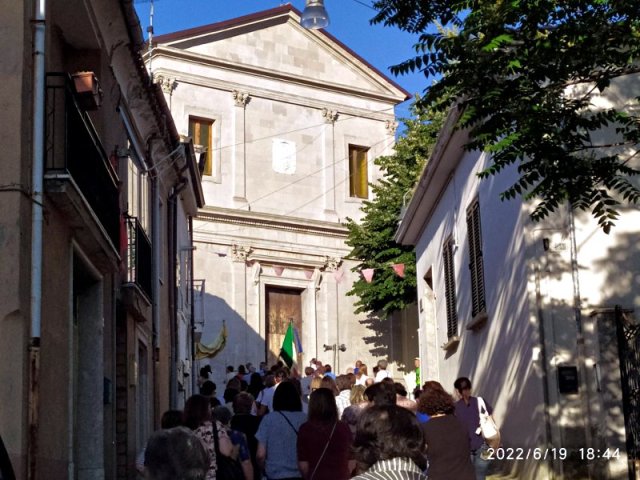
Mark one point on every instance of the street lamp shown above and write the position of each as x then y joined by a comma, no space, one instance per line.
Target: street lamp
314,15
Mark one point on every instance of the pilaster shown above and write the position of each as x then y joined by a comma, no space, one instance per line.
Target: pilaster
239,155
329,159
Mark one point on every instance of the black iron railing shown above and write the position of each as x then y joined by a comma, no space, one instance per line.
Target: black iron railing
138,256
628,333
74,148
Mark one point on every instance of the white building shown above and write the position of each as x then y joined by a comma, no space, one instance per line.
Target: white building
290,121
527,312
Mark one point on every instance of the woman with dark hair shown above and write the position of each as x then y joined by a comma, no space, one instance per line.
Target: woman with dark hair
389,445
422,415
380,394
238,440
176,453
197,417
245,422
324,441
204,374
256,385
468,412
278,432
445,436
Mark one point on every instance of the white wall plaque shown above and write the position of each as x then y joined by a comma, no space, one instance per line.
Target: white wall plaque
284,156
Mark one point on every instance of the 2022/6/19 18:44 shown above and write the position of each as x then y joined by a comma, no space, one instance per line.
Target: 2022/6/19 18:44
597,453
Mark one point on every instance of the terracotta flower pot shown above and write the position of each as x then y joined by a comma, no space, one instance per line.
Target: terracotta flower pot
88,90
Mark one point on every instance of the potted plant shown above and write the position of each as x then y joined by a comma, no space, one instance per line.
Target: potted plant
89,93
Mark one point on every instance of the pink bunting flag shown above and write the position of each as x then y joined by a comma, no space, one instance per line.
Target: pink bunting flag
278,270
399,269
308,274
338,275
367,273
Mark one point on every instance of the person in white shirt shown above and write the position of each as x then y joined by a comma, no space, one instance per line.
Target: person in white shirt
362,375
382,370
229,374
265,397
305,383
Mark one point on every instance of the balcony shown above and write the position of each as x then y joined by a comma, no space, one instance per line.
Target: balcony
138,256
79,178
137,291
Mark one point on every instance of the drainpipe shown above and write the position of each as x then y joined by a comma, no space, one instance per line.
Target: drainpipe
173,282
580,341
544,371
155,289
37,184
173,305
192,322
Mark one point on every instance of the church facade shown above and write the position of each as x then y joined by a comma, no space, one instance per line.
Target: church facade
288,122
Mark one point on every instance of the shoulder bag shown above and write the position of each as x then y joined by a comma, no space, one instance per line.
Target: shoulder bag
488,427
288,421
324,451
228,468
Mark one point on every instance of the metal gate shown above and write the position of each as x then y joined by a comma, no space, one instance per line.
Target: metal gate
628,333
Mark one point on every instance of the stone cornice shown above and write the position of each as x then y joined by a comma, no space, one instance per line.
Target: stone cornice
192,57
271,221
278,96
273,248
309,261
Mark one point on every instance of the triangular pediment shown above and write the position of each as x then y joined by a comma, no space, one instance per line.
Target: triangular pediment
273,42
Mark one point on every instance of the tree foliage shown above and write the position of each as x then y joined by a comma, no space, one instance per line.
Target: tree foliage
525,75
371,239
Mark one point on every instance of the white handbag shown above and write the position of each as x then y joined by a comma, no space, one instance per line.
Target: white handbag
488,427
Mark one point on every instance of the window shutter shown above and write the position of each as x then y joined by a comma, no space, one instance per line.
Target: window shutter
476,264
201,131
450,289
358,174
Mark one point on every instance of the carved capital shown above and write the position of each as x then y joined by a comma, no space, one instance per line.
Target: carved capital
240,98
331,264
391,127
239,253
330,116
167,84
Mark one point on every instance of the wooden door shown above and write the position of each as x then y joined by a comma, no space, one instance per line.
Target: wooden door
282,305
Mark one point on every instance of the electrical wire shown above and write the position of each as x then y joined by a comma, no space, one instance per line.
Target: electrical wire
204,228
365,4
295,130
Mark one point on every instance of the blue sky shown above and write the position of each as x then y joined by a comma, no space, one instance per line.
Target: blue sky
381,46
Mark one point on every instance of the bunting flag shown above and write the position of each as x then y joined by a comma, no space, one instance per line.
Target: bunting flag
399,269
286,352
338,275
308,274
367,273
210,351
296,335
278,270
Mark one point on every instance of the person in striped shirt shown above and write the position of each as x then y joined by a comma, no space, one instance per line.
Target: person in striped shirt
389,445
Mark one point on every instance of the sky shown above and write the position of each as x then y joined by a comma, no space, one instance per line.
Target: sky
349,22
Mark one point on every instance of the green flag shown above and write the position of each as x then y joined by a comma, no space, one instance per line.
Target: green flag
286,352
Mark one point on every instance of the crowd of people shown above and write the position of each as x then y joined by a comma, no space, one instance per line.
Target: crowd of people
276,424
